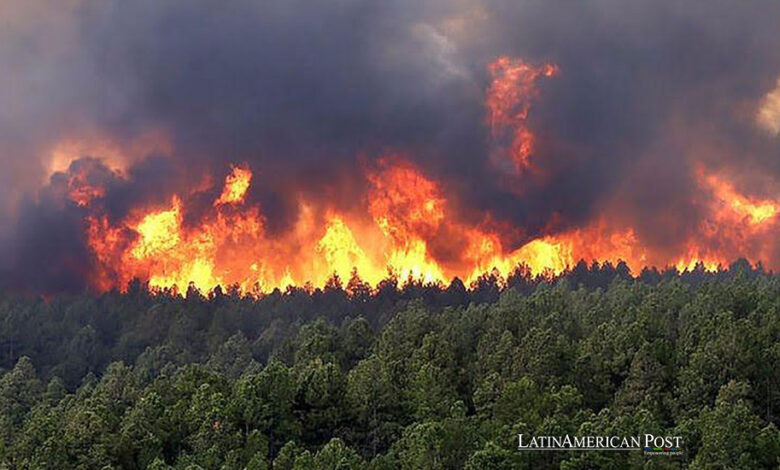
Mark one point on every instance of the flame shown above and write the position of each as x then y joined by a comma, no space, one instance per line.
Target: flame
553,254
407,219
754,211
545,255
229,246
81,192
158,232
406,226
236,185
509,97
343,253
408,208
736,224
84,181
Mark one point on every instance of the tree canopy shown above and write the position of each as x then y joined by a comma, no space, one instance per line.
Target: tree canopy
408,376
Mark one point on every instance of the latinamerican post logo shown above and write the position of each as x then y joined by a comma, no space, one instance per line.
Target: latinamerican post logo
648,443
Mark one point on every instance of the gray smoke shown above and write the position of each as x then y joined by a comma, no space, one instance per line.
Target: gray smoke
310,92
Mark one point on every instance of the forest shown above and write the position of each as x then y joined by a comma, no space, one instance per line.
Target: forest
401,376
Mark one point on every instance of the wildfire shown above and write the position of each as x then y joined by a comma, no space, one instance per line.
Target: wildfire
736,224
342,252
406,226
508,101
406,210
755,212
83,182
236,185
409,210
407,221
158,232
84,194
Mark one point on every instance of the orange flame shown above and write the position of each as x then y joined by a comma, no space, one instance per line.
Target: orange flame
230,247
80,187
407,226
509,97
736,226
82,193
236,185
755,212
408,220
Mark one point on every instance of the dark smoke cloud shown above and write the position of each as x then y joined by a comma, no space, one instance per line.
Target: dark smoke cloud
310,93
47,249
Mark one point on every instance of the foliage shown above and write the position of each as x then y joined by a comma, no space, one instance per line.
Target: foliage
422,377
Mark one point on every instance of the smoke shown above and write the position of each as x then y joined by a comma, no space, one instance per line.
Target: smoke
309,94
